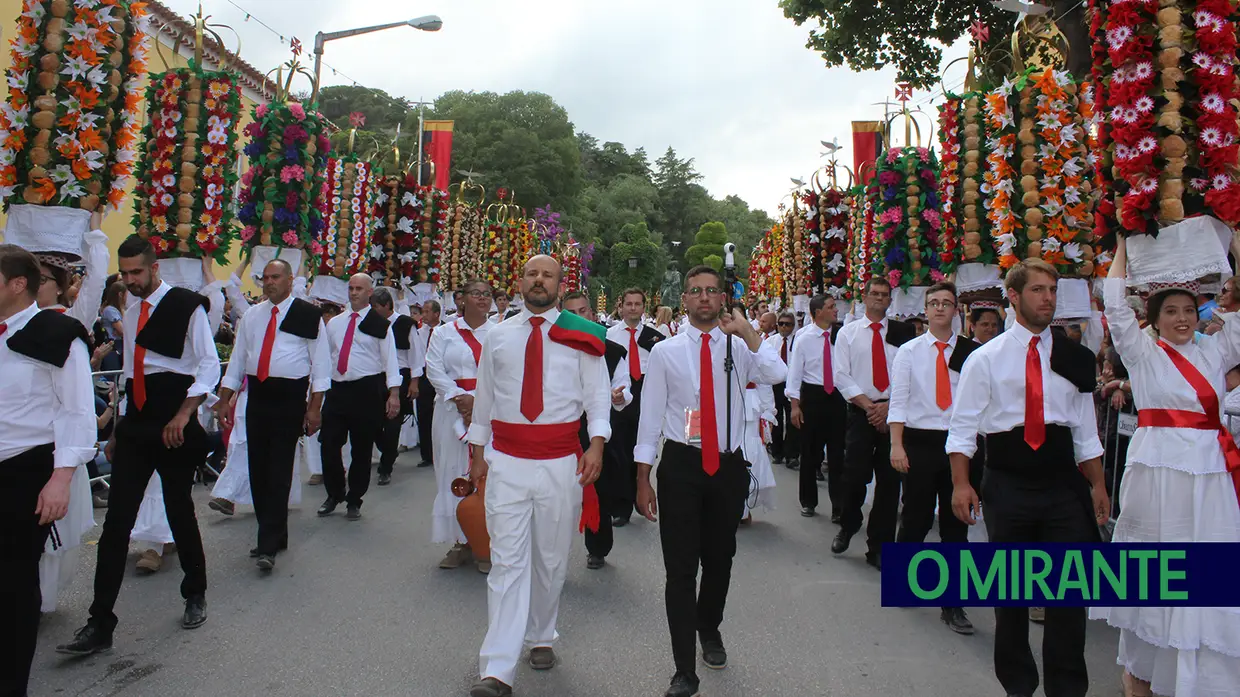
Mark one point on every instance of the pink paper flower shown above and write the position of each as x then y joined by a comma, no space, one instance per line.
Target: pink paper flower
893,156
937,276
247,233
292,172
894,276
297,111
260,111
290,238
316,248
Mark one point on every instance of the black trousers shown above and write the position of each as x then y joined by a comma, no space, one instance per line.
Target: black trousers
698,517
867,455
352,411
140,452
928,481
426,409
22,477
610,480
785,439
389,442
823,416
279,406
1030,508
623,441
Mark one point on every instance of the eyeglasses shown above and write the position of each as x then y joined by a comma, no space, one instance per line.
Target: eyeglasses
941,304
47,279
709,290
784,324
477,294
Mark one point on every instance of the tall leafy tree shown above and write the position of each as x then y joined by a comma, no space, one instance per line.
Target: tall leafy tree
636,260
708,246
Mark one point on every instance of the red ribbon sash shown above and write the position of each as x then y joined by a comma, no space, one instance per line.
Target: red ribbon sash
1208,421
547,442
469,384
470,340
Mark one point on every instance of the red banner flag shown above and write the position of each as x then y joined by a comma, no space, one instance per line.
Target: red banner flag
437,144
867,143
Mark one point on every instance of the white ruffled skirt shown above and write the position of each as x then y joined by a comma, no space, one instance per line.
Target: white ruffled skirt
762,477
1180,651
451,461
152,523
63,548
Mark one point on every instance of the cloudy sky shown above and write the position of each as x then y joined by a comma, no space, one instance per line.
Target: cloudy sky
727,82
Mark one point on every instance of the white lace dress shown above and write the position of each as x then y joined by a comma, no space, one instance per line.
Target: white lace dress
1175,489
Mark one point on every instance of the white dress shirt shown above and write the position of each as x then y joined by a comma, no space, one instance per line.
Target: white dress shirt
573,381
854,360
990,397
619,333
425,332
414,358
450,359
914,384
44,404
90,295
198,359
674,385
777,342
805,359
292,356
367,356
620,380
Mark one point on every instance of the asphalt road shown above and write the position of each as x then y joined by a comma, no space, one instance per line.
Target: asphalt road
362,609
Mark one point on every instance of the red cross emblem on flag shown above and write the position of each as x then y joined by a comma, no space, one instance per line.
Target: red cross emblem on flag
904,91
979,31
295,44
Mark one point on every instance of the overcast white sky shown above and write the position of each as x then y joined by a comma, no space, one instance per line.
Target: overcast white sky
727,82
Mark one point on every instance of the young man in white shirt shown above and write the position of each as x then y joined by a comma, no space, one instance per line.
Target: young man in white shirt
817,407
923,388
1031,395
410,359
785,442
703,475
424,404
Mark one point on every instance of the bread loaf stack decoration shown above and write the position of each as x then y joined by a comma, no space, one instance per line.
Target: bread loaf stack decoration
186,179
463,259
69,126
281,191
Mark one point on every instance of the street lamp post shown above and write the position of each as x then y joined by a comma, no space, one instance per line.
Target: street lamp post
427,23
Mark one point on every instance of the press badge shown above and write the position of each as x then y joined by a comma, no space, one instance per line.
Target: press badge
693,426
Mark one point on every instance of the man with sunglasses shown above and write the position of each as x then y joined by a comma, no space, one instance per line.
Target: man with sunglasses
784,439
703,475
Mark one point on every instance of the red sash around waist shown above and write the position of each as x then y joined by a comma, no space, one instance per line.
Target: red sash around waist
470,384
547,442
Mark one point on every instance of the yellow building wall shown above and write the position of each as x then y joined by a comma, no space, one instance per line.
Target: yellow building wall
118,224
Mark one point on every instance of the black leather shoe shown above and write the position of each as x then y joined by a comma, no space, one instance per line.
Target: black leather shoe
385,479
266,562
807,512
328,507
683,685
714,655
618,521
874,559
88,640
195,612
254,553
490,687
836,518
353,513
594,562
426,463
820,476
956,620
793,464
840,544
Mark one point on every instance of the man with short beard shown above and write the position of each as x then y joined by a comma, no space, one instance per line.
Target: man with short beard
539,372
1031,395
171,367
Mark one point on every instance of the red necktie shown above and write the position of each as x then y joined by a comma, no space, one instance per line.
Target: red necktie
783,351
139,360
429,334
1035,420
635,359
4,327
708,422
828,367
269,340
532,380
342,364
879,359
942,381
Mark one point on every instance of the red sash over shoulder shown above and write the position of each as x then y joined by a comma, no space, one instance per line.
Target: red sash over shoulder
1210,420
547,442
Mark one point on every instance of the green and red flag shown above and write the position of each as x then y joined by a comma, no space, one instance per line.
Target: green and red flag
579,333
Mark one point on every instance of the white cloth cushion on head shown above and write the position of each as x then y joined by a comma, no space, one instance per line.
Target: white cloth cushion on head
262,256
971,278
907,302
47,228
424,292
1073,300
182,272
1191,250
331,289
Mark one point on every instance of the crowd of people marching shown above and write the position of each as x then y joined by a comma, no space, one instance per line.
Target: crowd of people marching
948,416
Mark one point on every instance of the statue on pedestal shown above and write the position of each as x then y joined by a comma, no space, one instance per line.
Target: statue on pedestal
671,289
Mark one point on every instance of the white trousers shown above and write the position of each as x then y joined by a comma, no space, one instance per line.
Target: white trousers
533,508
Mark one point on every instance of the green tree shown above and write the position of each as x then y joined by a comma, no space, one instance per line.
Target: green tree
867,35
709,242
637,244
383,111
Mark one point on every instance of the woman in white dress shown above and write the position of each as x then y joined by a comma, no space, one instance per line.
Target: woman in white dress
233,486
1176,487
759,420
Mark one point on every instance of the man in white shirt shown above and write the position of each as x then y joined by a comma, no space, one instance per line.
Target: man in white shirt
864,352
540,372
424,403
364,391
785,438
817,407
502,309
47,429
766,325
171,367
703,475
1031,395
410,358
923,387
638,340
281,353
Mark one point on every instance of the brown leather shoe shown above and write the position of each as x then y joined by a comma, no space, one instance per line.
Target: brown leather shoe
149,562
542,658
315,480
490,687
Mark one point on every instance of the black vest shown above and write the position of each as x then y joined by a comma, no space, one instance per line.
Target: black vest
374,325
1074,362
402,326
964,348
47,337
614,355
167,327
302,320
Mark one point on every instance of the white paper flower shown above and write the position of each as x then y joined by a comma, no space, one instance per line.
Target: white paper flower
1213,103
1050,244
1220,181
1118,36
1143,104
1202,60
1142,71
1211,137
1073,251
1147,145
